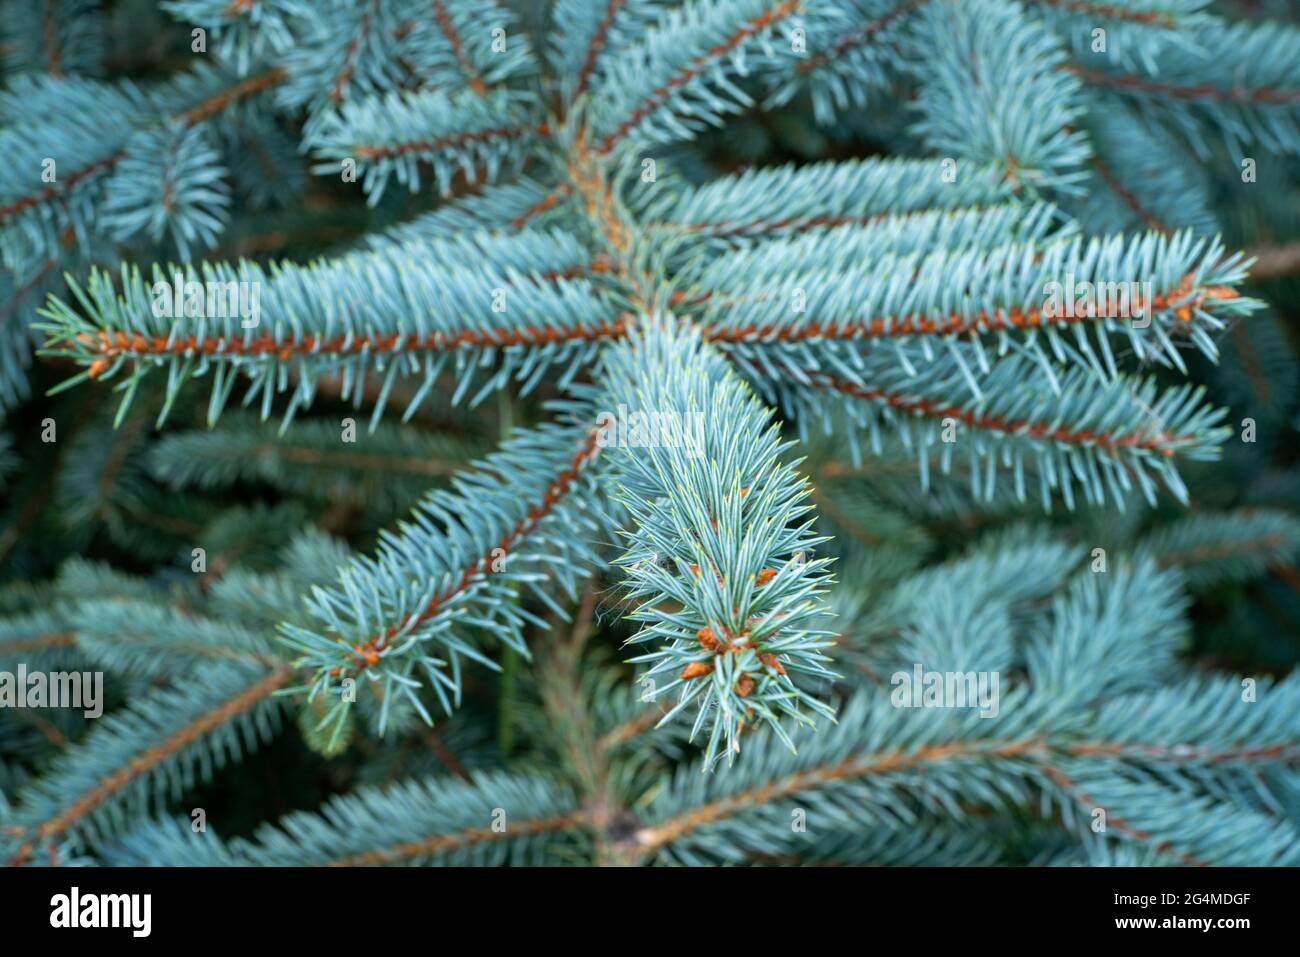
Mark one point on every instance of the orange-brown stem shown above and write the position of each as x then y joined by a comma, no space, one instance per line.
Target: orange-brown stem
449,842
1160,442
911,325
109,345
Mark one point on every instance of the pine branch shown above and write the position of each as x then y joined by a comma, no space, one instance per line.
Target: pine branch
1274,261
16,646
449,843
991,60
242,32
678,81
348,317
454,571
1174,287
109,185
1162,194
389,137
448,26
389,468
56,37
1161,14
1229,546
1233,81
596,46
500,819
861,35
654,839
162,740
786,201
852,776
1112,437
516,205
717,556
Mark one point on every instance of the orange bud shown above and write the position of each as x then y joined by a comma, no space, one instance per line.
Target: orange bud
766,575
696,669
745,685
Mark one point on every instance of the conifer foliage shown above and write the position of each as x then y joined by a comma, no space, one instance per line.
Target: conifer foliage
715,431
